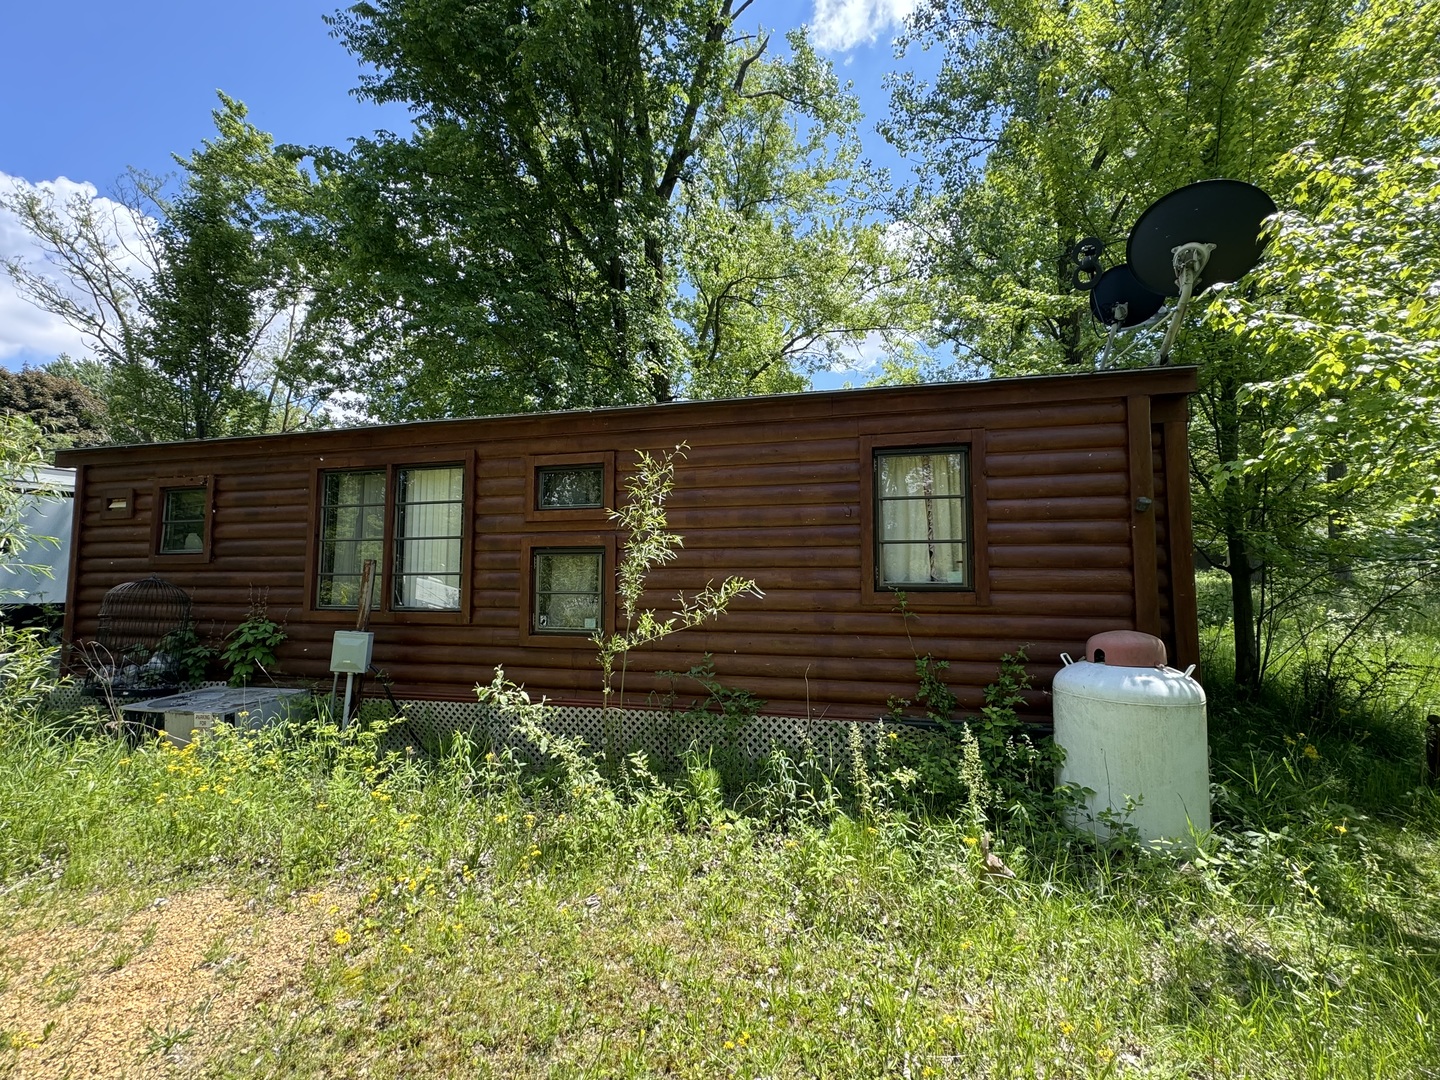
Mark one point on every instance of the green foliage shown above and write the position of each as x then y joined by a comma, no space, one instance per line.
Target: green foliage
756,913
67,412
192,657
251,646
21,456
27,673
1313,433
990,764
731,706
648,543
599,204
196,304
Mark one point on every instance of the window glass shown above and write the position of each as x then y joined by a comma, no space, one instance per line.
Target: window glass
923,518
352,529
571,487
567,591
182,521
428,526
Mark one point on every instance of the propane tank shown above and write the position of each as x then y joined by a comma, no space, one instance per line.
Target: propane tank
1134,732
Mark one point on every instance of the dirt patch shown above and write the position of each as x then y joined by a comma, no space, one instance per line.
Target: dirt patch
155,993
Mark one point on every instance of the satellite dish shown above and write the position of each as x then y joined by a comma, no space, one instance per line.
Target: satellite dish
1197,236
1118,301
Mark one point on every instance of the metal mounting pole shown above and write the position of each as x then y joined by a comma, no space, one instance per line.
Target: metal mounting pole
1189,262
1118,314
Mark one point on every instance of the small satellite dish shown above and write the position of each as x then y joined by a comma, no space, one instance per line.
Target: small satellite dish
1118,301
1118,298
1197,236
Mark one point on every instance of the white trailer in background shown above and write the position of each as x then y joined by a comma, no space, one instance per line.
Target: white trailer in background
46,512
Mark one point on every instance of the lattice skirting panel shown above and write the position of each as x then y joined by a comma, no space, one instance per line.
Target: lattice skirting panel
429,727
663,737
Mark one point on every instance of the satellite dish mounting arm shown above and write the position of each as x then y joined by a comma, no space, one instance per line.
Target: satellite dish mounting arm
1117,320
1189,262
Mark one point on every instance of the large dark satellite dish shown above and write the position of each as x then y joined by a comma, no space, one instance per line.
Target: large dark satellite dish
1197,236
1118,298
1226,213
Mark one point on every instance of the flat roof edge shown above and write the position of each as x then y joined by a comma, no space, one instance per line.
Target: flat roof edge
1180,379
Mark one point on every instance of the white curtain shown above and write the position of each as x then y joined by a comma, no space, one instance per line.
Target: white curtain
427,538
924,518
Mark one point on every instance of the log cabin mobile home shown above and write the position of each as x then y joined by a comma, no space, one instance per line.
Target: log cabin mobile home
1010,513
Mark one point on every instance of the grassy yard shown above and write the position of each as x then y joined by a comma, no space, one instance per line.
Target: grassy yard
292,904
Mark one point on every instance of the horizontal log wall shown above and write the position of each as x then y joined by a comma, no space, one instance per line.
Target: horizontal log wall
770,489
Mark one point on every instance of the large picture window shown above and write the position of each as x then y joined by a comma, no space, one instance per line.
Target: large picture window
922,528
409,519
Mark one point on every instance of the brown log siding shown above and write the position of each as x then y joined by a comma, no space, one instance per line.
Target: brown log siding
771,489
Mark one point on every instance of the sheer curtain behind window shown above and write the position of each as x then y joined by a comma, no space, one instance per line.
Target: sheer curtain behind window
924,518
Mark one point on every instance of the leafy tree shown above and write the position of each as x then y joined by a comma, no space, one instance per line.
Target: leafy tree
194,304
67,412
547,236
1055,120
785,267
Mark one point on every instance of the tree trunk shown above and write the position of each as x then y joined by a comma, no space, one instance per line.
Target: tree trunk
1236,504
1242,602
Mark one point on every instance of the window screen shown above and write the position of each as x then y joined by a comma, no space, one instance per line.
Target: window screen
427,538
352,529
570,487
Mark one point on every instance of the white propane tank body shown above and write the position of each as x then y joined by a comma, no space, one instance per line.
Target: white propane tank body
1135,734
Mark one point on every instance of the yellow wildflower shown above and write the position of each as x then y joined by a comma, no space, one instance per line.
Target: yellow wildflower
342,936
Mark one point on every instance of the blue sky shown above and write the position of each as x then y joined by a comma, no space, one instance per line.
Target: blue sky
93,86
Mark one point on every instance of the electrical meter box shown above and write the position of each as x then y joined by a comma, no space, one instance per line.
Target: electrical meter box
351,651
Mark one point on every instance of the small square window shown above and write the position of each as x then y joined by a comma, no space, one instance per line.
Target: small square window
567,596
564,488
182,521
570,487
922,528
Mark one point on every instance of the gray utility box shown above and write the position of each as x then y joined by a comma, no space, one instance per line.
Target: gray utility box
179,715
351,652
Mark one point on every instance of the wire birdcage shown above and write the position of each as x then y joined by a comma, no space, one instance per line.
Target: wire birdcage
137,621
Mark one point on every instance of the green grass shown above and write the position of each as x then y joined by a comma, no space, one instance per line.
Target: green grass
494,923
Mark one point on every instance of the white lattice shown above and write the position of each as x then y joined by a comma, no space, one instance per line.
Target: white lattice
662,736
427,726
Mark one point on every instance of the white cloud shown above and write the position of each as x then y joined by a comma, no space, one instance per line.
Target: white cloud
28,334
841,25
862,356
